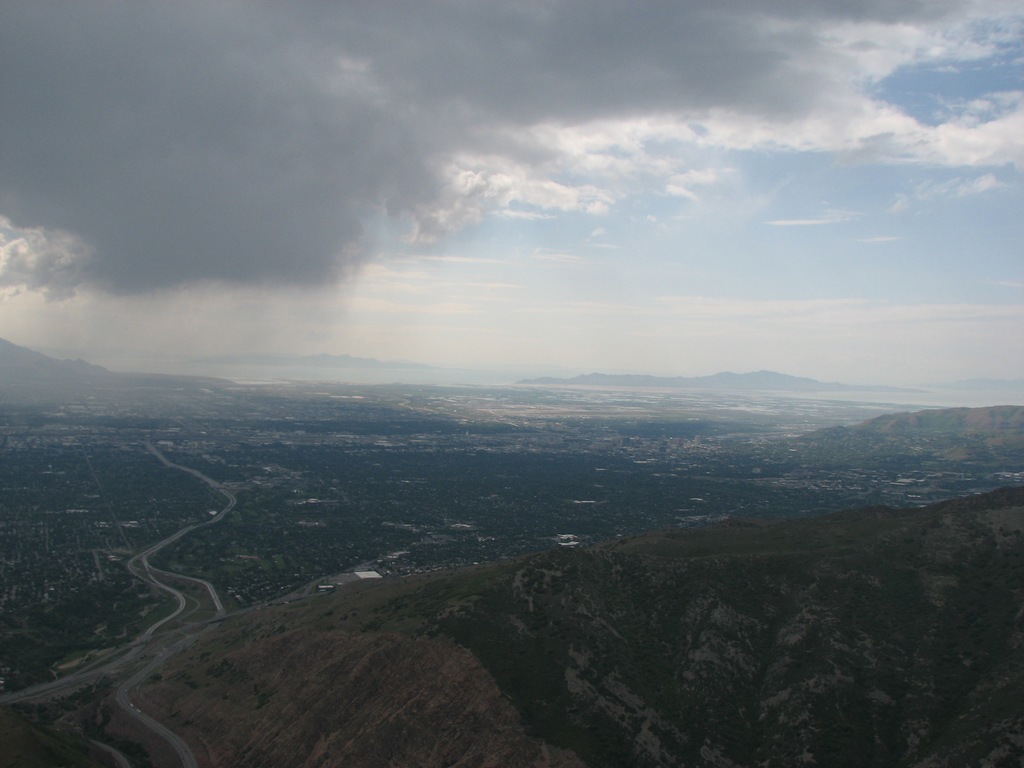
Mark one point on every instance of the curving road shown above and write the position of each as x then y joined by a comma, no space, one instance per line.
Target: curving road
140,567
123,697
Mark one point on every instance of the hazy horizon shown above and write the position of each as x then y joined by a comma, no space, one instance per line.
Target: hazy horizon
383,372
831,191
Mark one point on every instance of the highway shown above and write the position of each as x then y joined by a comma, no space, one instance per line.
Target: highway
185,755
139,566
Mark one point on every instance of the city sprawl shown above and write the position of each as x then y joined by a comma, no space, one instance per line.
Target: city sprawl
332,479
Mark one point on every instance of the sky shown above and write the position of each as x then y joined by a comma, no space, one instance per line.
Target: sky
828,189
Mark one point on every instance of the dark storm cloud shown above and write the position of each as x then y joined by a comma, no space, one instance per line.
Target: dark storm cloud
249,142
187,142
580,59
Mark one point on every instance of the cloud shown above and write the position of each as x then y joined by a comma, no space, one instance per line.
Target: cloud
187,142
477,185
829,217
960,187
957,187
902,205
49,261
682,184
259,143
560,258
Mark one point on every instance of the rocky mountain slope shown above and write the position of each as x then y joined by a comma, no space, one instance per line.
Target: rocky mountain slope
876,637
329,697
27,745
937,440
993,421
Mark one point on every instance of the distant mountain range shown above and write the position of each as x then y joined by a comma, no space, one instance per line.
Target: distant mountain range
35,377
24,369
22,365
756,381
29,376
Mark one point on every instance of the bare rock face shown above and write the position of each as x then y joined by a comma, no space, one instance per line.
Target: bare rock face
331,698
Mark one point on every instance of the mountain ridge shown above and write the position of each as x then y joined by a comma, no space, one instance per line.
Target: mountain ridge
21,367
30,375
991,419
21,364
874,637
